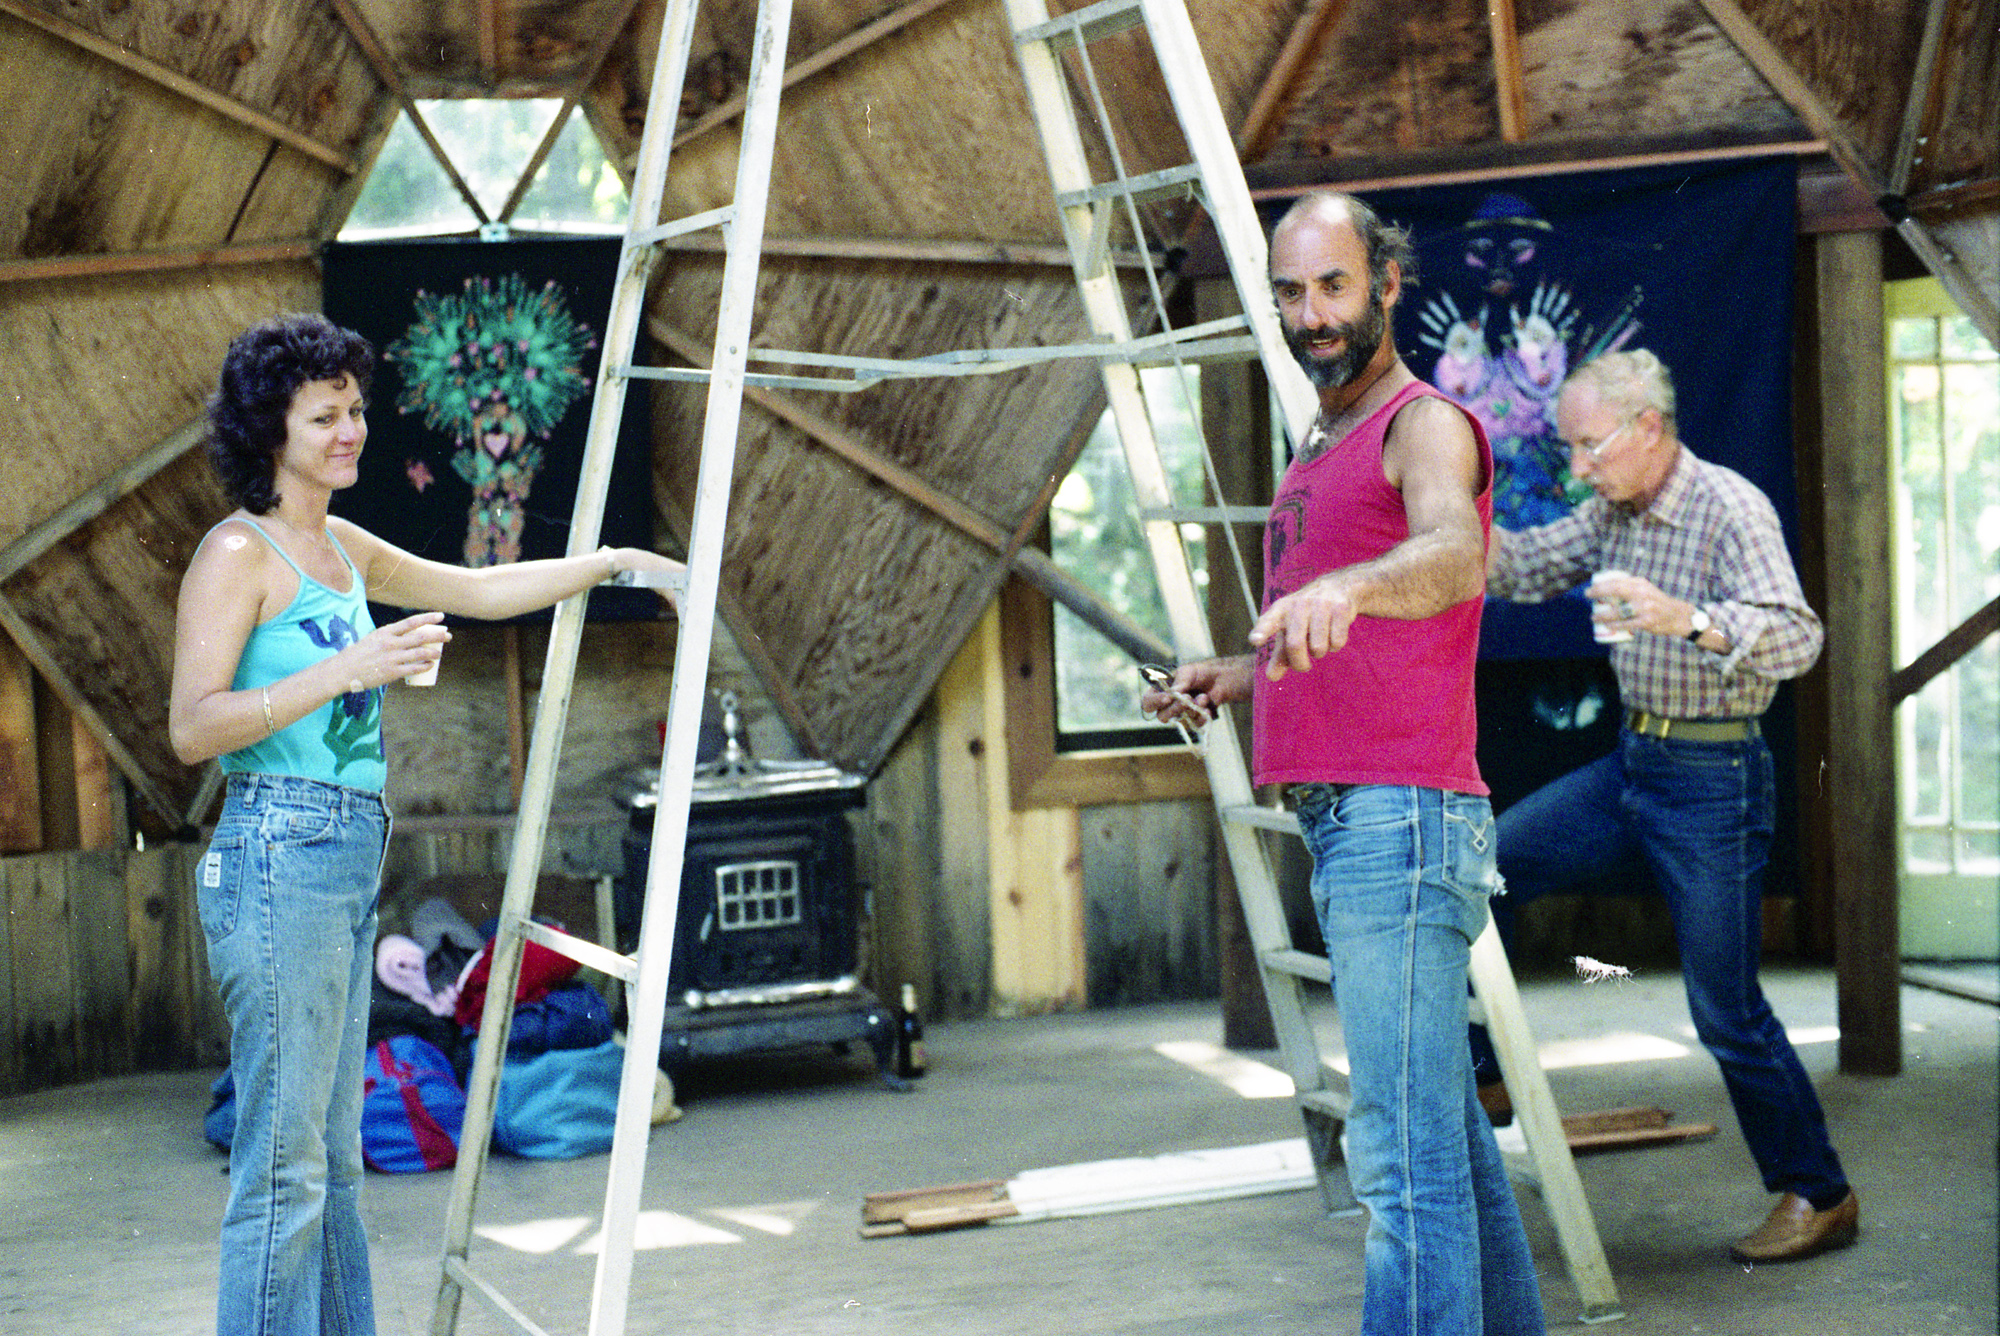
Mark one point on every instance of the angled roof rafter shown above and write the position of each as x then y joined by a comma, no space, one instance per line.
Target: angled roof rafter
1281,84
1790,86
1509,86
593,65
385,69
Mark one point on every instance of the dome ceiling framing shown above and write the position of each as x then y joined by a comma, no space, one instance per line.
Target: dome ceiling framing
171,171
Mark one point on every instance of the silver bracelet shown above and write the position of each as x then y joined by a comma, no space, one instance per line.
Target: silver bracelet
270,724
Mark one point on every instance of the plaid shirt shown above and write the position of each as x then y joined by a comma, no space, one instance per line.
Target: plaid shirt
1711,539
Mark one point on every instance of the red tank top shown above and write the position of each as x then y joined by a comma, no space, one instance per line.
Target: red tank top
1395,704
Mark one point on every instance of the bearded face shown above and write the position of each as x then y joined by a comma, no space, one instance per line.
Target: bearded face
1333,355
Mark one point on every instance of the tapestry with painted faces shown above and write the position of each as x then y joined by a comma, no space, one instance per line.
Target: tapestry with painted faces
1520,282
487,359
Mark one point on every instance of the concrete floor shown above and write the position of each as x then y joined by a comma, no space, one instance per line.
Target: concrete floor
109,1198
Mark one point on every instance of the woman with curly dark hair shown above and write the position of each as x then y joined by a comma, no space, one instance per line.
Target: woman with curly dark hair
279,671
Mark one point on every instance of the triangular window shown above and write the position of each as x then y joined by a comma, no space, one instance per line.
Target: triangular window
490,144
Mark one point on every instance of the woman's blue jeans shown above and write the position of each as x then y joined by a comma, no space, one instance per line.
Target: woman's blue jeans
287,892
1401,876
1701,813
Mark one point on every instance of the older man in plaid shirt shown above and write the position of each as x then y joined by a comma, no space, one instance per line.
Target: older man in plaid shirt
1706,617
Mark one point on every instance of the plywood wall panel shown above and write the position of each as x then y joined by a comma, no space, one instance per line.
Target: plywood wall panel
44,1037
116,364
1856,55
1606,68
295,63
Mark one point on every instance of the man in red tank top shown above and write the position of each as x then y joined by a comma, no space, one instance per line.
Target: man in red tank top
1360,683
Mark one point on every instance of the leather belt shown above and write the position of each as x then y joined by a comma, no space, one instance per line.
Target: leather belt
1690,730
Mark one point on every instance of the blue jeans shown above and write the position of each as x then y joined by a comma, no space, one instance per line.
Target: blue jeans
1400,881
1701,813
287,893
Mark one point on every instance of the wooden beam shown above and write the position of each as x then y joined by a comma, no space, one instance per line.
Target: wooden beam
487,20
18,554
142,262
1976,196
1759,50
20,757
52,672
1857,517
1281,85
1509,87
806,67
1907,682
593,65
176,82
1920,112
384,65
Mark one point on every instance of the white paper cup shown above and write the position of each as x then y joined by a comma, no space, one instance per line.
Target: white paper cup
429,676
1600,632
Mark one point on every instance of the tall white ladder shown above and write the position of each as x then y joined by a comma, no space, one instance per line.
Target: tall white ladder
1090,211
645,973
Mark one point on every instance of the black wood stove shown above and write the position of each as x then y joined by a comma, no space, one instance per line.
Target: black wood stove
765,941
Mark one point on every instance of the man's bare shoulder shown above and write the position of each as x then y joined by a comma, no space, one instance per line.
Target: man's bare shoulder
1429,434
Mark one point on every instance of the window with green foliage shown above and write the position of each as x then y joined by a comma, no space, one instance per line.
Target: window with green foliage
1094,535
1944,414
490,144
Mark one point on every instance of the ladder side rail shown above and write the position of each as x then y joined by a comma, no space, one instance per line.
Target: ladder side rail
1228,201
1229,781
647,999
558,675
1541,1126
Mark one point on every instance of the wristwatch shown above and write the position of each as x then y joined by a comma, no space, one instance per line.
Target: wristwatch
1701,621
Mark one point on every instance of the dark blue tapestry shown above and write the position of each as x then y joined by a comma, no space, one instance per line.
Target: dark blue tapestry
1520,283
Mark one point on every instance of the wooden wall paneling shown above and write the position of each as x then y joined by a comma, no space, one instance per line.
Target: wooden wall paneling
100,807
1424,79
898,853
1148,873
11,1078
1847,51
44,970
288,199
1966,121
55,740
102,969
965,914
20,754
1034,867
159,912
1857,515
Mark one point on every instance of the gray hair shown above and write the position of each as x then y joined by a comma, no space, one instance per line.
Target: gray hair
1629,383
1383,241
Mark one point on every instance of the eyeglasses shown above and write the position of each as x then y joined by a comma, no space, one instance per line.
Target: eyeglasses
1596,452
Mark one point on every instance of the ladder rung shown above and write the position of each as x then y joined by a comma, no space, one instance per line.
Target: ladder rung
1174,181
484,1290
1332,1103
1088,24
1299,964
602,958
1207,514
1269,818
680,227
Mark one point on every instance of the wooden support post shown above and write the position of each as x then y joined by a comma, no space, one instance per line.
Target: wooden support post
20,757
1856,514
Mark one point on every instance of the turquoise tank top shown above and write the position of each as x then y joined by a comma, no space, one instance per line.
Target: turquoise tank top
341,741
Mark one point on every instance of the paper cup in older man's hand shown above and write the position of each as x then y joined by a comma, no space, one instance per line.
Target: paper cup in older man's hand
1599,631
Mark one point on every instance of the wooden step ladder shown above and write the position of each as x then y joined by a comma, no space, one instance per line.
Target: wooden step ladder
1090,209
